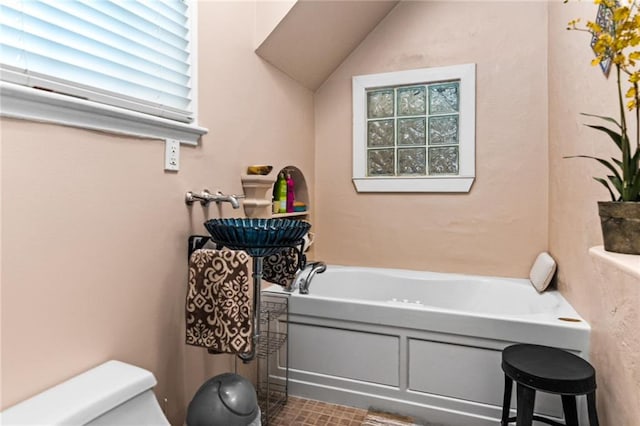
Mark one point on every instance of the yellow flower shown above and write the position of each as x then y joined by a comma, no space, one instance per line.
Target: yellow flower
615,42
618,59
590,25
606,38
619,44
621,14
631,93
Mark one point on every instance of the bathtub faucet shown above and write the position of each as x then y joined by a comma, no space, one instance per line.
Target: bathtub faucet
304,276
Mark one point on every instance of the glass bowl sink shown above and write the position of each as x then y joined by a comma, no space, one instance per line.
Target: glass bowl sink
258,237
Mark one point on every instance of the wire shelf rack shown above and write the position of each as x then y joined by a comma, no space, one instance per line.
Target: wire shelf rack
269,343
271,309
272,400
272,355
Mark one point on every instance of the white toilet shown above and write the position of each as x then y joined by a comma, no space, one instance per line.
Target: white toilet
114,393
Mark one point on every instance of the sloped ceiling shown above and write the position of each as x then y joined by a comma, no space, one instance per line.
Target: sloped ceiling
315,36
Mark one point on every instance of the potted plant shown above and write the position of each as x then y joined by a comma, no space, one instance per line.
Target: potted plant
616,42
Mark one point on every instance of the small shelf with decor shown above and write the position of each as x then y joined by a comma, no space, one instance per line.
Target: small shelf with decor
260,192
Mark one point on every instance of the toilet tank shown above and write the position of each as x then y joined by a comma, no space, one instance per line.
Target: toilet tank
114,393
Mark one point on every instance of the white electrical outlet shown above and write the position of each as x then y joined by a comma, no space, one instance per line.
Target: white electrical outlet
172,154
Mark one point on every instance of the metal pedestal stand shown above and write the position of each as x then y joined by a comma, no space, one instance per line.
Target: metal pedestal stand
261,238
258,253
272,396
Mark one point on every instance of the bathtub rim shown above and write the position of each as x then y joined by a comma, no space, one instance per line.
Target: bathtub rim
566,309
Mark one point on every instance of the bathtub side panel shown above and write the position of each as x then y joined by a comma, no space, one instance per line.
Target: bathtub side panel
345,353
429,363
460,371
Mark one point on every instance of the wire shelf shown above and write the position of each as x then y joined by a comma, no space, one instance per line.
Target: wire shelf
272,402
272,310
276,390
269,343
272,393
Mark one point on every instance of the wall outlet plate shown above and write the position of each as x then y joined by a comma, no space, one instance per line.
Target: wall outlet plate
172,155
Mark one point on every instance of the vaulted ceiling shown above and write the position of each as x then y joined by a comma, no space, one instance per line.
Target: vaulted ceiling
309,39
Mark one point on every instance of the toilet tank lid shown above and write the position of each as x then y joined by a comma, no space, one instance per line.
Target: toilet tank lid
82,398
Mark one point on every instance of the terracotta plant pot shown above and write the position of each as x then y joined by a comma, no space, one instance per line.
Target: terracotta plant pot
620,226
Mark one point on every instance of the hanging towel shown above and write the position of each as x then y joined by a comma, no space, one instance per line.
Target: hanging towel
218,309
281,268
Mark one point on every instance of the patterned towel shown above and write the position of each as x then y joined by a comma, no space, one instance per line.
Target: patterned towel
218,309
281,268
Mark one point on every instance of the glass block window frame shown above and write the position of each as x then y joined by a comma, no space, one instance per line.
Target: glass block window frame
393,147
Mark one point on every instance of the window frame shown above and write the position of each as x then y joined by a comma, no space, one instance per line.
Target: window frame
461,182
33,104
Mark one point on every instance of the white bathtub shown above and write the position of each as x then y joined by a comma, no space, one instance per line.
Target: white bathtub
420,343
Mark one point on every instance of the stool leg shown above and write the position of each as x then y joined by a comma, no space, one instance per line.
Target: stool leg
591,406
526,400
506,401
570,411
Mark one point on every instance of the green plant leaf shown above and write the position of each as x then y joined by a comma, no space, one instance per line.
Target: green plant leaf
609,119
635,162
605,163
635,189
606,185
626,163
616,137
617,184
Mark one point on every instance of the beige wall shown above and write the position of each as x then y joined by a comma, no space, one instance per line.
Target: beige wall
605,296
501,225
94,232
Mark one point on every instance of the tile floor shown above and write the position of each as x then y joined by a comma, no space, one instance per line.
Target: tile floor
303,412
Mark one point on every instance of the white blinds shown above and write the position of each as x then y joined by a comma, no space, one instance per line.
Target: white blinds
132,54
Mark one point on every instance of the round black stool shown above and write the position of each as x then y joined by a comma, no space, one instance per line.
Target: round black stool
552,370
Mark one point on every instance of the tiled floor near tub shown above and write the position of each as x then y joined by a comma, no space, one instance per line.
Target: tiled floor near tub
303,412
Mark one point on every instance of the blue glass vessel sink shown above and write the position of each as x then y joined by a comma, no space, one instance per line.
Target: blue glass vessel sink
258,237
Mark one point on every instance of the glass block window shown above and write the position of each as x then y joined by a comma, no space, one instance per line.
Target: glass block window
414,131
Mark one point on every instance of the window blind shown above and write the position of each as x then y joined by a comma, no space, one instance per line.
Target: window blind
129,54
